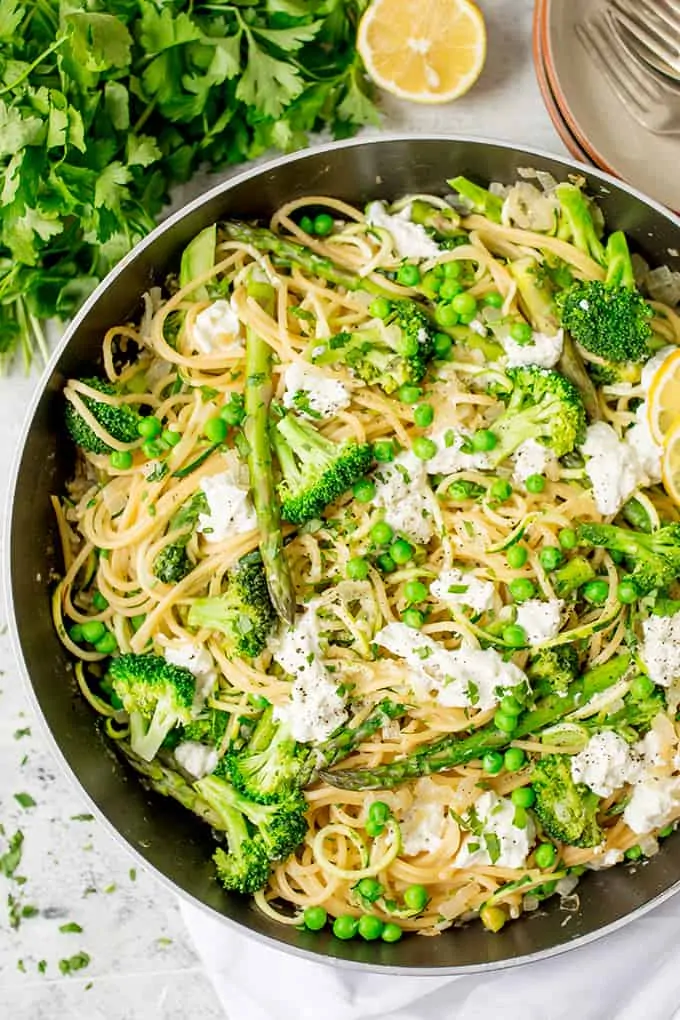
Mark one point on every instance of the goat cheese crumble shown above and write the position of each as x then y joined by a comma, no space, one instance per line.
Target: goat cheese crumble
217,328
660,648
459,589
231,511
605,764
544,351
312,393
315,708
411,240
541,621
648,453
462,678
198,760
423,824
531,458
451,457
612,467
198,661
403,491
653,803
497,841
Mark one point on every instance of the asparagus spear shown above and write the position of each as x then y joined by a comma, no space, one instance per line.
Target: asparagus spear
451,751
341,744
289,253
169,783
258,394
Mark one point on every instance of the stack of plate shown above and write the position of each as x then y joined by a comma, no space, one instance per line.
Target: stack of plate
589,117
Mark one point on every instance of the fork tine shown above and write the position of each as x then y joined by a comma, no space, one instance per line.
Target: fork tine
650,35
635,71
590,38
665,12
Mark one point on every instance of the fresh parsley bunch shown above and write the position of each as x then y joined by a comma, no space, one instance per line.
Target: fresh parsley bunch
104,104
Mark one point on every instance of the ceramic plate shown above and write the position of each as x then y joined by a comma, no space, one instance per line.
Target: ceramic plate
613,139
551,106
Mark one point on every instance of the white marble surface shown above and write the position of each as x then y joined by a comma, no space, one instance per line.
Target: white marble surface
143,965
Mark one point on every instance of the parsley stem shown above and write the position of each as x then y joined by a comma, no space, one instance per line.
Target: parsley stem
31,67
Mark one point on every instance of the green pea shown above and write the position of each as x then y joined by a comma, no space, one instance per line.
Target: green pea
517,555
464,304
363,490
551,557
492,762
449,290
401,551
415,897
370,927
493,299
381,533
345,927
445,314
514,635
501,490
522,589
370,889
521,332
172,438
233,412
520,818
150,427
323,224
424,448
409,394
106,645
634,853
391,932
152,449
121,460
595,591
413,618
415,591
137,621
315,918
380,307
545,855
567,538
307,224
642,687
523,796
535,484
93,631
374,829
666,831
423,415
383,451
510,705
76,633
442,345
215,429
514,758
379,811
386,563
504,722
408,275
484,440
357,569
431,283
99,602
626,592
465,318
452,269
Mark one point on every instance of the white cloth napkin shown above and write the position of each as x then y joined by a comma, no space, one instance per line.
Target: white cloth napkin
634,974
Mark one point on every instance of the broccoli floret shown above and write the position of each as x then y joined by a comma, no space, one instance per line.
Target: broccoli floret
266,770
156,695
172,563
120,421
610,319
279,828
315,470
390,356
572,575
613,373
637,714
243,612
654,558
441,222
566,810
541,405
209,728
481,200
552,670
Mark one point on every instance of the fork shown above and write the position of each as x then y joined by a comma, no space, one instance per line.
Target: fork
650,101
652,30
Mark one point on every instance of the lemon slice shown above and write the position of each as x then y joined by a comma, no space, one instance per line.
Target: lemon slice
671,464
429,51
663,398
